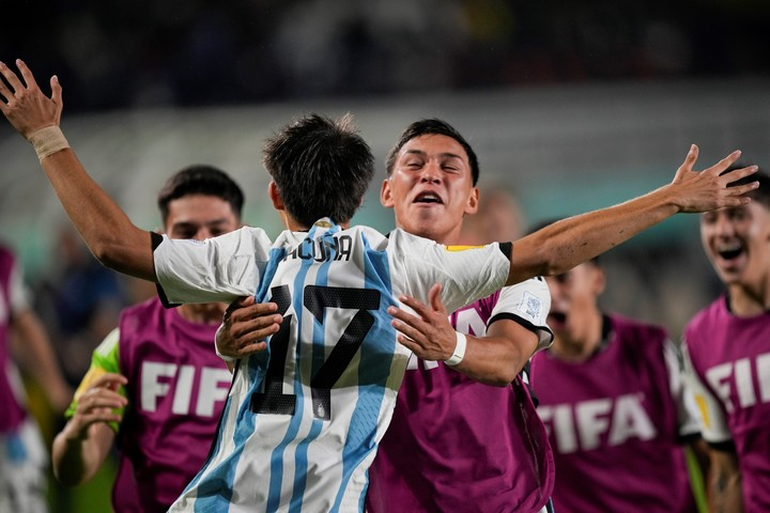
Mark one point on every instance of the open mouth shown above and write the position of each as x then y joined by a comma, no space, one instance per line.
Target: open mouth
730,252
428,197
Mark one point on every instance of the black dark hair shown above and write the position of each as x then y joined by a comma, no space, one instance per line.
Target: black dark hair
761,193
432,126
200,179
321,167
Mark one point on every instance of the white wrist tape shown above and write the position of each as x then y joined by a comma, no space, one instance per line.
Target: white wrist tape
226,359
459,352
48,141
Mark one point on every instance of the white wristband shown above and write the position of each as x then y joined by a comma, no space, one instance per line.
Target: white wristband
459,352
226,359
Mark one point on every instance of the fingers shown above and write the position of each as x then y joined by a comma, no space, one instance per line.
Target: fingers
256,329
737,174
434,298
249,312
250,349
419,307
12,78
692,156
29,78
726,162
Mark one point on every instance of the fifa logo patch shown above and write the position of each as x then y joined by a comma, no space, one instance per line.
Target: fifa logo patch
531,307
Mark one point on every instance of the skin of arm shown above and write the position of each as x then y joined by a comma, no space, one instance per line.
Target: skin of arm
724,482
86,440
495,359
110,235
32,348
561,246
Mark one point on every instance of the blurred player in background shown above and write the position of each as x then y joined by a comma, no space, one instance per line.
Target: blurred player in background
611,394
156,385
23,455
728,344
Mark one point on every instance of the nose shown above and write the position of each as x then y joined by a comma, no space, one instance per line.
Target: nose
202,234
431,173
723,225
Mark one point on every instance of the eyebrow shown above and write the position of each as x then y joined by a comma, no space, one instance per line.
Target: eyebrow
424,154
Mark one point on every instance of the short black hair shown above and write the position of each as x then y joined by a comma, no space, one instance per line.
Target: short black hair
321,168
200,179
432,126
761,193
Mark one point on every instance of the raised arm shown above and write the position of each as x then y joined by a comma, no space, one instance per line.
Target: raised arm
110,235
561,246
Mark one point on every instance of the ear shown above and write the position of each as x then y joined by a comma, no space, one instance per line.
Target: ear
386,195
275,196
472,205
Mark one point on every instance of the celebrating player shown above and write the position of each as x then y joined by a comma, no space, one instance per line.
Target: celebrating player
304,418
155,384
728,344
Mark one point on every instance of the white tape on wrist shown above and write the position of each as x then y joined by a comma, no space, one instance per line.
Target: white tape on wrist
48,141
459,352
226,359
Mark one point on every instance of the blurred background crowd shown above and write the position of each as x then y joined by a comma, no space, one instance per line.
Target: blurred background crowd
570,106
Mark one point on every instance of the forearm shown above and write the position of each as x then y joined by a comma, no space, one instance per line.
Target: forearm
492,360
111,236
561,246
76,460
724,493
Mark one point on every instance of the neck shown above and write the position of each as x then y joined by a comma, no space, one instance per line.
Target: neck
748,301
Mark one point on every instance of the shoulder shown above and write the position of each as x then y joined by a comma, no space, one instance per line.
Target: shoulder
706,319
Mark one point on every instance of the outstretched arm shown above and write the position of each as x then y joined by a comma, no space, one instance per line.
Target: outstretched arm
561,246
111,236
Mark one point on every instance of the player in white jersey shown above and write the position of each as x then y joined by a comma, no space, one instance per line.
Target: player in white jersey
316,176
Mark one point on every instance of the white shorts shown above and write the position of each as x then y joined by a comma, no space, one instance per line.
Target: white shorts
23,461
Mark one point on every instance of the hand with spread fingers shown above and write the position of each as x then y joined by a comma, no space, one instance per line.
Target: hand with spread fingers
428,333
245,327
24,104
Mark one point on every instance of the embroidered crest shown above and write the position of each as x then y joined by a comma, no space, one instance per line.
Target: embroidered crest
530,307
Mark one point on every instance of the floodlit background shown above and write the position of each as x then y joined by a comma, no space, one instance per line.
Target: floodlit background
570,106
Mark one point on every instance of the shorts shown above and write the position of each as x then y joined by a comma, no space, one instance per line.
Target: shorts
23,464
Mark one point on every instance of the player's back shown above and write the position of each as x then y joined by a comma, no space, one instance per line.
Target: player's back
304,418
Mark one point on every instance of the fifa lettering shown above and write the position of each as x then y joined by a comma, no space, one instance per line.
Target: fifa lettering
157,380
746,380
323,250
584,424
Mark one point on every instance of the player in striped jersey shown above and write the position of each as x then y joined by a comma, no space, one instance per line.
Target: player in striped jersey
728,344
162,362
443,448
336,283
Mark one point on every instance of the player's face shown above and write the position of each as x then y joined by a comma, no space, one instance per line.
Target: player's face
573,302
200,217
431,188
737,242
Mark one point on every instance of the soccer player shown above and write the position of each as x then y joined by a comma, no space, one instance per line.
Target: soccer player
23,455
610,393
304,417
155,383
443,448
728,344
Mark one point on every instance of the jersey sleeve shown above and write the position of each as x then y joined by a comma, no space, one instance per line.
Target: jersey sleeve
709,413
219,269
687,413
466,273
526,303
105,359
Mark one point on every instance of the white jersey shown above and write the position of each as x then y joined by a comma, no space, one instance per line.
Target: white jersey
304,418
